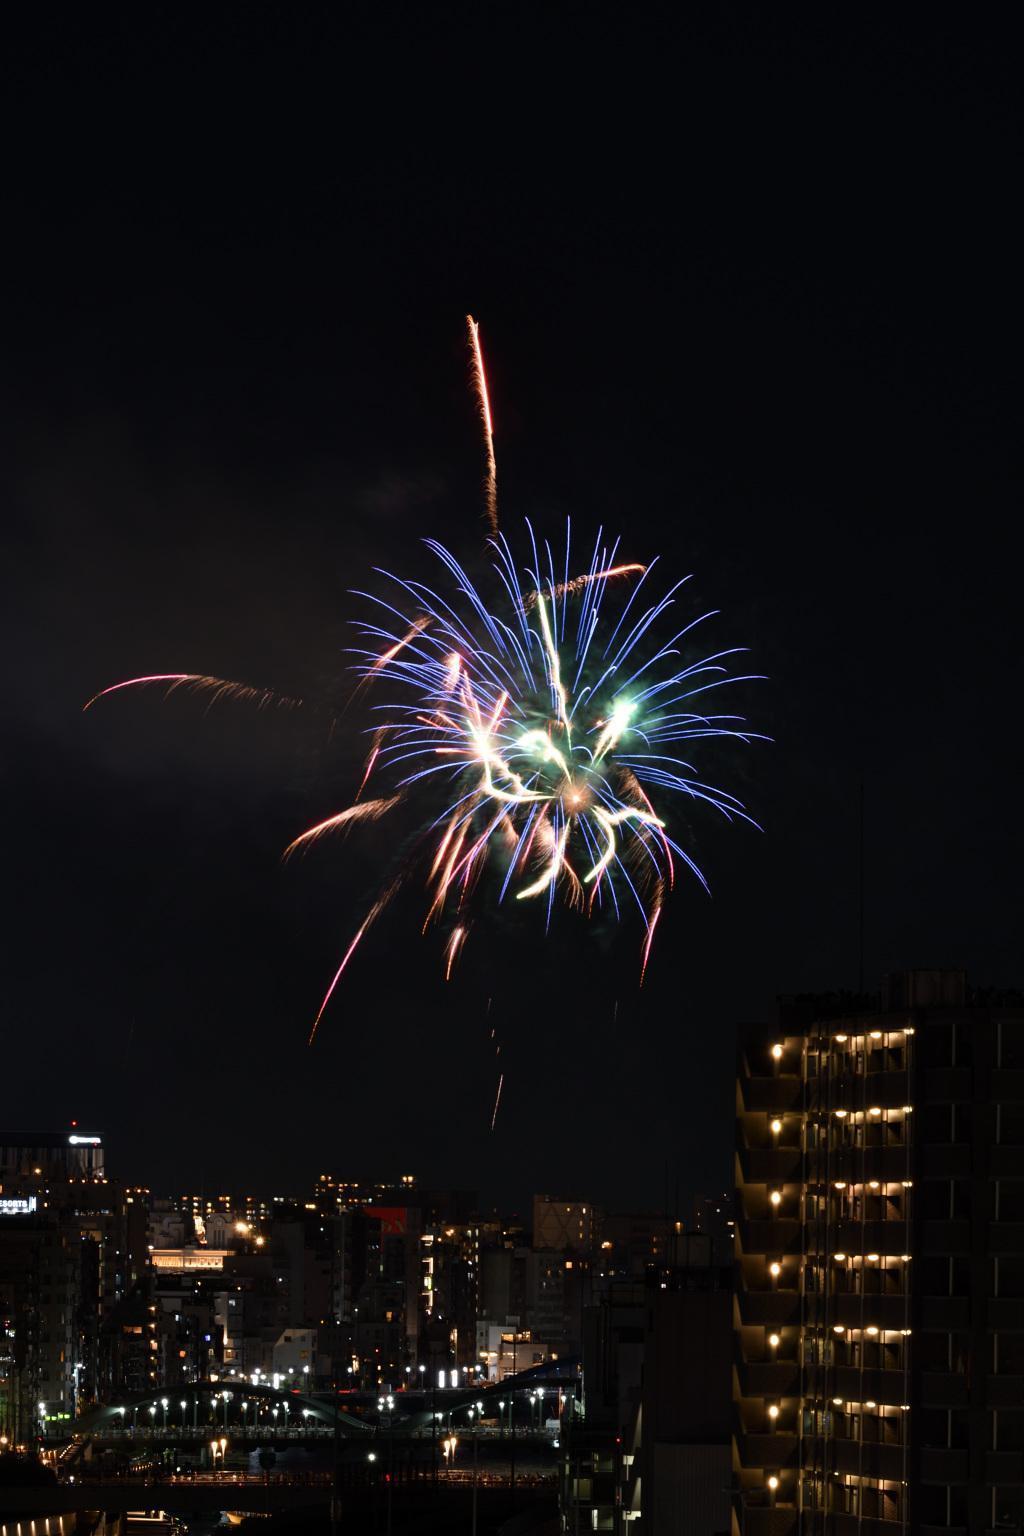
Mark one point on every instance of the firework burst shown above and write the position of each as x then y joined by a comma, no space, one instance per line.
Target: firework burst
541,734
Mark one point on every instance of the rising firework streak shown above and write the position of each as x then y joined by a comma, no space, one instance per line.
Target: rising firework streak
480,384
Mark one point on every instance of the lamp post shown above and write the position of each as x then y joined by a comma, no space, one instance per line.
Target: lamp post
475,1425
164,1405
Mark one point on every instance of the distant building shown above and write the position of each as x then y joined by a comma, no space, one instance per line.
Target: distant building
880,1264
648,1445
565,1225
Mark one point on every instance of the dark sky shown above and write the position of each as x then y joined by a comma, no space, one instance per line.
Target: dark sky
749,294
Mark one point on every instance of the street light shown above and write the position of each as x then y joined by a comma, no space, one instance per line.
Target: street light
164,1406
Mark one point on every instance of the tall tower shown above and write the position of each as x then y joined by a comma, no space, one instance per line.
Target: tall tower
879,1383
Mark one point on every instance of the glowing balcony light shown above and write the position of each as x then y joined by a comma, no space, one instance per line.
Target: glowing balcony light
776,1127
839,1257
775,1269
870,1404
875,1110
872,1183
905,1257
872,1331
775,1197
872,1258
777,1052
841,1039
838,1402
908,1183
876,1034
773,1413
773,1340
909,1030
908,1109
838,1328
840,1114
773,1482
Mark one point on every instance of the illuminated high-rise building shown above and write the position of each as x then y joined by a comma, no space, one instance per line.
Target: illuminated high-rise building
879,1384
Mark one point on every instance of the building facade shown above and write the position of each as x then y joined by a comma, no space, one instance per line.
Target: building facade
879,1378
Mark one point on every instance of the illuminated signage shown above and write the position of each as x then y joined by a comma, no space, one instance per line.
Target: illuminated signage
12,1205
85,1141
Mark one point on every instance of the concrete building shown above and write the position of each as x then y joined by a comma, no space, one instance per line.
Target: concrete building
880,1264
647,1448
567,1226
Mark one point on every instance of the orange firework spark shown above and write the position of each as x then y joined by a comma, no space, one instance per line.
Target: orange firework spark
579,582
480,381
370,918
220,687
367,810
456,939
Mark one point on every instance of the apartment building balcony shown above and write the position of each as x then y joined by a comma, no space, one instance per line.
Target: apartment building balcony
883,1237
854,1525
768,1519
1006,1162
769,1378
945,1312
869,1459
776,1448
943,1389
768,1165
947,1160
1006,1085
768,1307
939,1465
1006,1237
1004,1391
1006,1314
1004,1467
765,1093
946,1085
769,1234
946,1237
854,1310
853,1384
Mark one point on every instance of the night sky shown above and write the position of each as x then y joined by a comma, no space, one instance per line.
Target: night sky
749,295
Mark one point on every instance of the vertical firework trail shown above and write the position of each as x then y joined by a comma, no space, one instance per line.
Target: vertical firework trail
480,384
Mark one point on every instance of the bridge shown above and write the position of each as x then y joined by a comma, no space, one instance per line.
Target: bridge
250,1415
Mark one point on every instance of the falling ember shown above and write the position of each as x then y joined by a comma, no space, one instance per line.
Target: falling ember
497,1101
480,382
368,769
454,942
220,687
649,940
366,810
370,918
